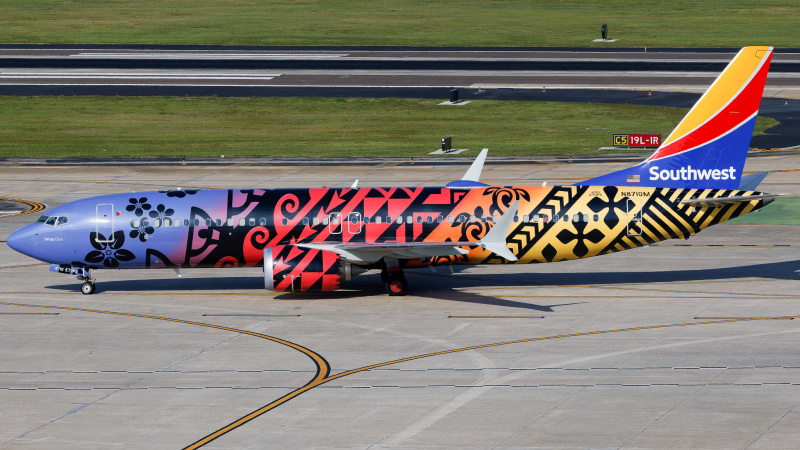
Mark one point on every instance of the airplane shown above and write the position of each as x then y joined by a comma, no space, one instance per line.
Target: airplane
314,239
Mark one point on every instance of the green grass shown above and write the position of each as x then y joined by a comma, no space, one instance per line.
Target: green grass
783,211
311,127
663,23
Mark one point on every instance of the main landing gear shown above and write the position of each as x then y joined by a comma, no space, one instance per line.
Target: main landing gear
393,279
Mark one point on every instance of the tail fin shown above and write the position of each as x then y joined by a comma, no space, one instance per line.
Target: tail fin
708,148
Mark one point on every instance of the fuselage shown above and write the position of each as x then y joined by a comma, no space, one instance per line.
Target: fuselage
231,228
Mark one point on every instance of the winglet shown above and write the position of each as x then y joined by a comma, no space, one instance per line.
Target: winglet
495,239
470,179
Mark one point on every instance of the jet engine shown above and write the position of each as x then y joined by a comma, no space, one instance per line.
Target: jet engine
297,269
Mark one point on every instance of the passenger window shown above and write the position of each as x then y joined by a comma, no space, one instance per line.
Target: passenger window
135,223
157,223
325,220
419,219
334,220
285,221
176,222
167,222
472,219
516,218
229,222
241,222
208,222
366,220
596,217
145,222
315,221
399,220
566,217
495,218
196,222
545,218
409,219
262,221
430,219
186,222
252,221
556,217
440,219
576,218
450,219
378,219
305,220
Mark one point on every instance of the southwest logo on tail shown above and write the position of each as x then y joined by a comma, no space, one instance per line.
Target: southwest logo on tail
708,148
314,239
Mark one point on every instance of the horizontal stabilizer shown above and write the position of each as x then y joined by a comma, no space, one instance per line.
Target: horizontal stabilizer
714,202
751,181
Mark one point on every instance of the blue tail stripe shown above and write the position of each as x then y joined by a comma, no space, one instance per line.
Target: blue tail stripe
715,165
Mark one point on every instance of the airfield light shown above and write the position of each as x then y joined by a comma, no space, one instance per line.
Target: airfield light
604,31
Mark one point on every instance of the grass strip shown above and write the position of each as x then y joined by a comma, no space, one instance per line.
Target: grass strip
313,127
646,23
783,211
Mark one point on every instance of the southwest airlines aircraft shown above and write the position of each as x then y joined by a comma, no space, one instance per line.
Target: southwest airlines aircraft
311,240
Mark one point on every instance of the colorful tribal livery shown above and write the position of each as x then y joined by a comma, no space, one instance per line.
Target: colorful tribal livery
311,240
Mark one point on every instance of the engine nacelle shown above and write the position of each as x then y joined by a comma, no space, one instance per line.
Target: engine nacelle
296,269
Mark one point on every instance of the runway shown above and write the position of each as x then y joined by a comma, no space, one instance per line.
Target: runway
126,70
682,344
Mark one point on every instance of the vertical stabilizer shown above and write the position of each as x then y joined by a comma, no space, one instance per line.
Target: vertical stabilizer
708,148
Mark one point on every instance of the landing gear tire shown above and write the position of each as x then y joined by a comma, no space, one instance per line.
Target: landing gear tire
396,285
87,288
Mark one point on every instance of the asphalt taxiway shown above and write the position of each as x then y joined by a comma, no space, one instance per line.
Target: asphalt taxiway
682,344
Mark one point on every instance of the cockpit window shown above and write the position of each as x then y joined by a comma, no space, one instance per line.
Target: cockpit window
53,221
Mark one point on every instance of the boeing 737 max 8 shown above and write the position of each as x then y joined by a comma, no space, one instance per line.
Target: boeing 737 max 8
314,239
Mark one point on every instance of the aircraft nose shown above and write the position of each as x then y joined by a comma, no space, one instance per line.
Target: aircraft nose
20,241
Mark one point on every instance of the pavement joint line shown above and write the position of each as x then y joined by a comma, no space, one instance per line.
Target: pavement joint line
323,368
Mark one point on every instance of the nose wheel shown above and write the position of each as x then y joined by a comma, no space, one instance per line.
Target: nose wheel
87,288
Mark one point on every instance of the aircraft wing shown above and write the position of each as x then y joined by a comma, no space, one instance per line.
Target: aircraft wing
494,241
372,253
722,201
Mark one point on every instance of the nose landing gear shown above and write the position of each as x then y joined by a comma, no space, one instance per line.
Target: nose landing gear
83,274
87,288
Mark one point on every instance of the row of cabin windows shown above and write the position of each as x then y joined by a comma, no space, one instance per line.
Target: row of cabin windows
334,220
